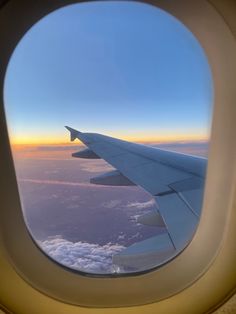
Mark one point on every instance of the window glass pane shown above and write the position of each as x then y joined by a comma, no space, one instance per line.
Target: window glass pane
129,71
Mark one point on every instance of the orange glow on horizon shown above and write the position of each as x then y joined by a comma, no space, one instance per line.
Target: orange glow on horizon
36,141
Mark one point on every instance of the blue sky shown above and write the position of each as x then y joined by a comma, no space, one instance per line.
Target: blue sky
124,69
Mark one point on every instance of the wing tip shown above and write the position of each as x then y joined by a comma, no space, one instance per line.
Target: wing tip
73,133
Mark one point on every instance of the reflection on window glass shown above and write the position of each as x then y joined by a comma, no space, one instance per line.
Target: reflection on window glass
125,70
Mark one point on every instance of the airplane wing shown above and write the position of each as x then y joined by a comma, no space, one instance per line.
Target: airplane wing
176,182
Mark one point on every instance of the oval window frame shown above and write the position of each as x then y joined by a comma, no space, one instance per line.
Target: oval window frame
63,284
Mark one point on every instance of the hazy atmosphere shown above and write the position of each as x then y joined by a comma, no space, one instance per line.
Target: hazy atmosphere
77,223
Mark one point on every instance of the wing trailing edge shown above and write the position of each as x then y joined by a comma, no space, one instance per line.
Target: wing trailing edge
145,254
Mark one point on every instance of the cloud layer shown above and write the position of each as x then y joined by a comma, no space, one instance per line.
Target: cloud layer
87,257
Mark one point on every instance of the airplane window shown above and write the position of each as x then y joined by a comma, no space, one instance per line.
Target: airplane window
134,89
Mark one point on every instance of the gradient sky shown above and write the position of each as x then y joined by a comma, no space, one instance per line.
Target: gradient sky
123,69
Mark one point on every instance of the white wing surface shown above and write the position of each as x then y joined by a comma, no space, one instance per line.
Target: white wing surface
176,182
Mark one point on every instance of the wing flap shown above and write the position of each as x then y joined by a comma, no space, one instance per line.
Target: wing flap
179,219
152,218
145,254
193,199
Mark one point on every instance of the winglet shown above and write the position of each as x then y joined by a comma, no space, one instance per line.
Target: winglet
73,133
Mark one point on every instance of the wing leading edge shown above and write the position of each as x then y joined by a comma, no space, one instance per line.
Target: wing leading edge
176,182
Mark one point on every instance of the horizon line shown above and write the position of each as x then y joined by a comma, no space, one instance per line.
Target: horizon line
141,141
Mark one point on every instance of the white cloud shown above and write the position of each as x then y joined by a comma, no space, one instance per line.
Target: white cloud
135,236
121,236
141,205
134,218
83,256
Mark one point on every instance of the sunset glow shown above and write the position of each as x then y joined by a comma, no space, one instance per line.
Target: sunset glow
34,141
